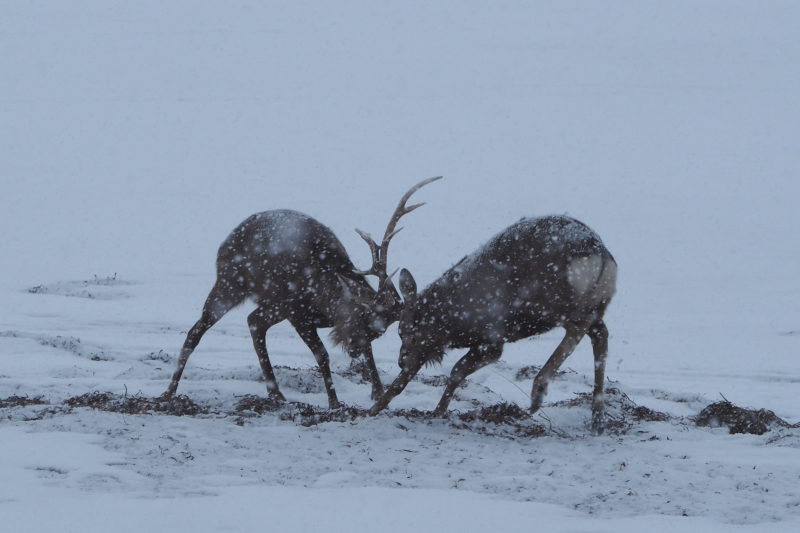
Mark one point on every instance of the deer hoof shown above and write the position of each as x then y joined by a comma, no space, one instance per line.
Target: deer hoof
171,390
597,424
439,412
277,395
537,397
536,402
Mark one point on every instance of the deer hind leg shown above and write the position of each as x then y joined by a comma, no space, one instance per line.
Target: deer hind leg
476,358
310,336
259,321
598,333
571,339
219,301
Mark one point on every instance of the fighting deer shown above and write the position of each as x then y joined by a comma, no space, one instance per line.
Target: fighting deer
295,269
538,274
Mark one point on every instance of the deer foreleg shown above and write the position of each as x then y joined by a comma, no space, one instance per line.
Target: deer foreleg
475,359
397,386
374,376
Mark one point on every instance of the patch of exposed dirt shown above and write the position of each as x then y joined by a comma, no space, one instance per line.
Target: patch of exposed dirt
27,409
21,401
311,415
301,413
107,401
435,381
498,420
645,414
72,345
160,356
505,420
508,420
357,372
410,414
252,404
501,413
530,372
622,413
304,380
739,419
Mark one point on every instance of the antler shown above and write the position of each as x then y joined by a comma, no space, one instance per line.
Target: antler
379,263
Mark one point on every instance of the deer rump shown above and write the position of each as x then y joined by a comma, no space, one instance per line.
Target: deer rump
286,255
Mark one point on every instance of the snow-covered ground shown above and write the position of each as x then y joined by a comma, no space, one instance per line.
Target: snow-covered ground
137,135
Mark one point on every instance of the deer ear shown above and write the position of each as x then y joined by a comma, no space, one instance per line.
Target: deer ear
408,287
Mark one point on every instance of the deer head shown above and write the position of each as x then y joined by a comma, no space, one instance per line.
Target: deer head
364,315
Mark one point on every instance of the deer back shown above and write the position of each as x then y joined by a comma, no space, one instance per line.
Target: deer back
283,254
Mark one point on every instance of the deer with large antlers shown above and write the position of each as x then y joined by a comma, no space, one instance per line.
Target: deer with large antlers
538,274
295,269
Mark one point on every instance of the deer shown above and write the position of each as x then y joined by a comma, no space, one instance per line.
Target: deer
536,275
294,268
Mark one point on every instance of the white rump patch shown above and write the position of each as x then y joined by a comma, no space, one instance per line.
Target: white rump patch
583,272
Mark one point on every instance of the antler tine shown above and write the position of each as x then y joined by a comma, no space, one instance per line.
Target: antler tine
376,267
395,232
386,281
407,210
379,264
397,215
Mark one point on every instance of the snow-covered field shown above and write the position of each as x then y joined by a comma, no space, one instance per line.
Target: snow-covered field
137,135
